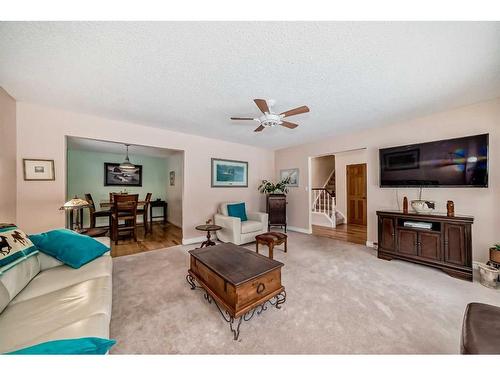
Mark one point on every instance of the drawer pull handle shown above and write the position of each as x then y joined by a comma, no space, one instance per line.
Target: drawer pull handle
260,288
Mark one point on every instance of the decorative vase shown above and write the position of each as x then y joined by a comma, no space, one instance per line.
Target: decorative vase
423,206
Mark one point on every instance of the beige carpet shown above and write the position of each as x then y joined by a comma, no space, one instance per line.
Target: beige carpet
340,299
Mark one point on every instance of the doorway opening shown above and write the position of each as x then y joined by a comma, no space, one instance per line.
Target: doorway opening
339,200
94,174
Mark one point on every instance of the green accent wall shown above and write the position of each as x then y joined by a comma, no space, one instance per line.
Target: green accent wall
86,175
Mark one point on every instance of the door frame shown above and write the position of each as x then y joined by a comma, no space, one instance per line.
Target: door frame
365,214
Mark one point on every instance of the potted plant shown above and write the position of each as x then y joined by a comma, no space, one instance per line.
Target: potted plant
268,187
495,253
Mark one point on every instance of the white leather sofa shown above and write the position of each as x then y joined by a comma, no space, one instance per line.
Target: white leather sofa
238,232
41,299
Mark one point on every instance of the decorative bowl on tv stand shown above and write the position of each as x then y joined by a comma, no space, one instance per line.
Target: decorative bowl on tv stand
422,206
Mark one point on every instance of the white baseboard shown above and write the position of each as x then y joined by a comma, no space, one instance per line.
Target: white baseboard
300,230
190,241
370,244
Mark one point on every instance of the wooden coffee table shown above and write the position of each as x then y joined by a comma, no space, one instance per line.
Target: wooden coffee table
239,281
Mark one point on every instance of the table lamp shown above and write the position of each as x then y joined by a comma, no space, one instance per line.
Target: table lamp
75,204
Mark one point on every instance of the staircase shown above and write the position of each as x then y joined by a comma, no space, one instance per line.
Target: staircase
323,209
324,212
330,184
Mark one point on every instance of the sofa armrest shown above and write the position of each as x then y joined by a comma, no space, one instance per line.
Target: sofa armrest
259,216
228,222
231,228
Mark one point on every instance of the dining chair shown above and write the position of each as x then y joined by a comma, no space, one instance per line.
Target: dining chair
144,212
95,214
124,208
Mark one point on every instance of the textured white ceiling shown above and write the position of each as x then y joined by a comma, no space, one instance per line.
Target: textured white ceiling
192,76
84,144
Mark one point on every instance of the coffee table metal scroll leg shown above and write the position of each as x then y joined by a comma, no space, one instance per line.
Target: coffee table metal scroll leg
236,332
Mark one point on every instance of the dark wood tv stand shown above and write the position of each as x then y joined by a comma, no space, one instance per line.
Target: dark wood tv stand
447,245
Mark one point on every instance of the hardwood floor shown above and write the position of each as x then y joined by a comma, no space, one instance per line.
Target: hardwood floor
346,232
164,235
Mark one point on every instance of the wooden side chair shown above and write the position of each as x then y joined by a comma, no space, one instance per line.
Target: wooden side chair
94,213
124,208
144,212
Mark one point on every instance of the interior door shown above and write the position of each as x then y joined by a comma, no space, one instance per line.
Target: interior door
356,194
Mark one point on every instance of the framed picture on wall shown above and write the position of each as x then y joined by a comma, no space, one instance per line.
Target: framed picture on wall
229,173
293,174
114,176
172,178
38,170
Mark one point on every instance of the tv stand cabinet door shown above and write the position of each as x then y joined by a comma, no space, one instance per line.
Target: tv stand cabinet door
429,245
387,233
407,242
454,245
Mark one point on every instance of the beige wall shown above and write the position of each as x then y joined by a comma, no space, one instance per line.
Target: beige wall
343,159
174,193
41,134
321,168
482,203
7,158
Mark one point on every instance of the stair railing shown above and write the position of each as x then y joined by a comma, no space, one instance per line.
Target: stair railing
323,201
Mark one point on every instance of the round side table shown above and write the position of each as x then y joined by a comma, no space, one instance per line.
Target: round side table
208,228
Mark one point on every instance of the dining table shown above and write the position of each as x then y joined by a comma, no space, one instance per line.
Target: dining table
108,204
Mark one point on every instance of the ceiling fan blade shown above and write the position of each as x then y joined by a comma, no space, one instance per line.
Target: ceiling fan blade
241,118
289,125
262,104
259,129
295,111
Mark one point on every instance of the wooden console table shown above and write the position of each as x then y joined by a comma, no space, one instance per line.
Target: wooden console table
158,203
447,245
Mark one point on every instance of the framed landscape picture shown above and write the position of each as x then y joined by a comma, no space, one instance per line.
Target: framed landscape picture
293,174
229,173
38,170
114,176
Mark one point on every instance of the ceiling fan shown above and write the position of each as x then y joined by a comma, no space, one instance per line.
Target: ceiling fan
270,119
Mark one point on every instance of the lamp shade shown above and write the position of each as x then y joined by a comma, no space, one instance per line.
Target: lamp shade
127,166
74,203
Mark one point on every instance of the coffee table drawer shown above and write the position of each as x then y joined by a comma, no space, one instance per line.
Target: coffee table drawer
257,288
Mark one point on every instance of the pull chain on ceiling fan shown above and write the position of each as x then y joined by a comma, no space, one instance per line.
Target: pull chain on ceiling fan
271,119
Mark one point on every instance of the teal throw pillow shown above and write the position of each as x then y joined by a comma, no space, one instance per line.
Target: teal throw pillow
84,345
69,247
237,210
15,247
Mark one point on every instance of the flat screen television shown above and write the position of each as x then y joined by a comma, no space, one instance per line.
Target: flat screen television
457,162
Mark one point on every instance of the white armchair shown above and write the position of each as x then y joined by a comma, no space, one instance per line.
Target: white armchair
237,232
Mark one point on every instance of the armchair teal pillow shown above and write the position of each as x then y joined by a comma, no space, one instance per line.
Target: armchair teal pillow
15,247
84,345
237,210
69,247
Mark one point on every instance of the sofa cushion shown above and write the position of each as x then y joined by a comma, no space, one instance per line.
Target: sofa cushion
84,345
81,310
16,279
237,210
63,276
250,226
15,247
69,247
